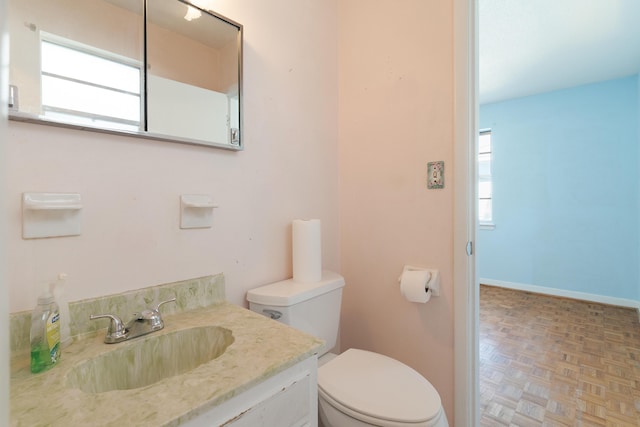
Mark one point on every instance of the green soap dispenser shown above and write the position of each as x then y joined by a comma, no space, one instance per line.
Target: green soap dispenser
45,333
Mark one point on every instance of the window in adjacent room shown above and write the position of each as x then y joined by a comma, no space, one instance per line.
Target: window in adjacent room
89,86
485,187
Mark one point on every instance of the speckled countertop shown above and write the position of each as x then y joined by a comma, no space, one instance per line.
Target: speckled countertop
261,349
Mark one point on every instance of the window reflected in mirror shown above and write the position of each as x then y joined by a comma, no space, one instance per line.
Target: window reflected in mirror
84,85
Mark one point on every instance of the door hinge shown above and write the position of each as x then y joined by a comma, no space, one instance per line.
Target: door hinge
469,248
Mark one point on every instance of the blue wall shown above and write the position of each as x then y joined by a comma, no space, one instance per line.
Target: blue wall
566,191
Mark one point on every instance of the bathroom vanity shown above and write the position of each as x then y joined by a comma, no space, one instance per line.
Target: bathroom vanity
286,399
262,373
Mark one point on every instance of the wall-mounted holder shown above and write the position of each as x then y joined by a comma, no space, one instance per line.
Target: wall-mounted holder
196,211
418,284
51,215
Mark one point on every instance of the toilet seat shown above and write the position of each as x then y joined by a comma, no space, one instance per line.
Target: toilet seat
374,388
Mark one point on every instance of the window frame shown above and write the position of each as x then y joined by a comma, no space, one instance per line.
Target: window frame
91,118
486,224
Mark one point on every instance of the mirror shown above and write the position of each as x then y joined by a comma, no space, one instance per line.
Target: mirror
85,64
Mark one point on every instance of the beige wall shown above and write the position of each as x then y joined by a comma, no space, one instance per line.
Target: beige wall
131,187
396,106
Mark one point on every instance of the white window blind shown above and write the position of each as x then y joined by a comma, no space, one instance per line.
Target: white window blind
89,86
485,183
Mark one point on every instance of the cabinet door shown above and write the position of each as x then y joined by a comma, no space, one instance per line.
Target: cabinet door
289,407
287,399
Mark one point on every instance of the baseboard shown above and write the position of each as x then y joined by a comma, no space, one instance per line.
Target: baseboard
602,299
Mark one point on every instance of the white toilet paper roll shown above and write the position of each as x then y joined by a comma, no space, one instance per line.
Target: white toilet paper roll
413,285
307,251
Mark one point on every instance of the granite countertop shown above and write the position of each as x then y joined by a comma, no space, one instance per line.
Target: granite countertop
261,349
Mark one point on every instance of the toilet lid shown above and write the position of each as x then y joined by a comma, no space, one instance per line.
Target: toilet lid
379,387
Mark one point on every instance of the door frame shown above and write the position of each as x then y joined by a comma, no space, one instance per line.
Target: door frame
4,286
466,288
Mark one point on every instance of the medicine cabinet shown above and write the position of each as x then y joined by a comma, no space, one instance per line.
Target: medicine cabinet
161,69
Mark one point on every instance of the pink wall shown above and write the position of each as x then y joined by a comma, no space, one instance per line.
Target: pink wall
131,187
396,114
380,77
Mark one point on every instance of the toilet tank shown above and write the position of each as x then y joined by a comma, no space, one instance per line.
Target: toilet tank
313,308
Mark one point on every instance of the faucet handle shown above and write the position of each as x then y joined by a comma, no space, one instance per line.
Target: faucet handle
152,315
116,331
163,302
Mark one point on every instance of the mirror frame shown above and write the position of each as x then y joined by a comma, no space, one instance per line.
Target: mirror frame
32,118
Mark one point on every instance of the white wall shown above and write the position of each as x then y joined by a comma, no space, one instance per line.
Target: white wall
131,187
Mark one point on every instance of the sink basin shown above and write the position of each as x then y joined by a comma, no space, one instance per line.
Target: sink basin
145,361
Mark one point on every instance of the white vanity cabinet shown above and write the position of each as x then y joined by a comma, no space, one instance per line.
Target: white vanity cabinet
288,399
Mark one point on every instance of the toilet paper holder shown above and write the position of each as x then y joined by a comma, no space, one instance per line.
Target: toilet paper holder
434,281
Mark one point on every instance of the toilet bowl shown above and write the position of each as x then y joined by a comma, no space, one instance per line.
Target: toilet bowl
357,388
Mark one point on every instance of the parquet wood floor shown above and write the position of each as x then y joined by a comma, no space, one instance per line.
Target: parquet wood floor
548,361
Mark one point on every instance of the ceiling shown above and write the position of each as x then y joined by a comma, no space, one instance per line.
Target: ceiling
536,46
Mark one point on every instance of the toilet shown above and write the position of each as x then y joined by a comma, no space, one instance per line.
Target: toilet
356,388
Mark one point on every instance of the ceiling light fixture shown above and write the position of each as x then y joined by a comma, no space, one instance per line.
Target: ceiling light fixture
193,13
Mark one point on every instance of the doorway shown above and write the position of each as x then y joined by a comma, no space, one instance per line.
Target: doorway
549,262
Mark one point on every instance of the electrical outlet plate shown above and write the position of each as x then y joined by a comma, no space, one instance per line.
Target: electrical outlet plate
435,175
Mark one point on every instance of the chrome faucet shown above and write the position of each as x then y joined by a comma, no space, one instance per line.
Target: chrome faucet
142,323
